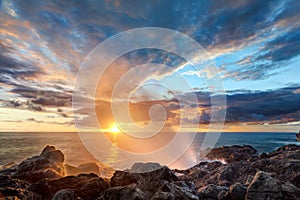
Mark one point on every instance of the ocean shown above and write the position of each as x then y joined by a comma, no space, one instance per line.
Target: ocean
15,147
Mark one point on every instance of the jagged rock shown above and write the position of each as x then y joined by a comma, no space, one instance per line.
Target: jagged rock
121,178
283,163
232,153
41,177
237,191
159,184
212,192
298,136
123,193
64,194
263,186
144,167
290,191
87,186
85,168
15,189
49,164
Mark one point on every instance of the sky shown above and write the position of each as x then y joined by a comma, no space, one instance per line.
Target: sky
255,45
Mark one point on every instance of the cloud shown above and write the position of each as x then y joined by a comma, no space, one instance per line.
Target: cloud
44,42
22,105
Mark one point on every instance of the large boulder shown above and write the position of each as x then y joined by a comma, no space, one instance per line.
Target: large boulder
211,192
85,168
238,191
232,153
15,189
65,194
49,164
121,178
123,193
282,163
87,186
264,186
158,184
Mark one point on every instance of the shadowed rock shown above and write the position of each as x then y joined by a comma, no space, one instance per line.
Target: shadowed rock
87,186
263,186
49,164
159,184
238,191
64,194
232,153
283,164
85,168
42,177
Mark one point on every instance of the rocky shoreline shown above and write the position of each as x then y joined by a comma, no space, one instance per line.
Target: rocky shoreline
242,174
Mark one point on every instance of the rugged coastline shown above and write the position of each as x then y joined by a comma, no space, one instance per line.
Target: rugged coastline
242,174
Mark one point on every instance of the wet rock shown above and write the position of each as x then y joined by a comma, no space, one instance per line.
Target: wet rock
122,178
211,192
15,189
237,191
232,153
290,191
263,186
85,168
123,193
298,136
144,167
16,193
49,164
64,194
282,163
87,186
159,184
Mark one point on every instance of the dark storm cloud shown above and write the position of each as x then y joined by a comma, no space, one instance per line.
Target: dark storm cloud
43,97
22,105
283,48
264,106
214,24
11,69
273,106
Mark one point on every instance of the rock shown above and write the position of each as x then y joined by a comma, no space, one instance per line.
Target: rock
15,193
9,165
122,178
15,189
263,186
232,153
237,191
298,136
290,191
283,164
212,192
123,193
52,154
64,194
87,186
48,165
144,167
159,184
296,179
85,168
163,196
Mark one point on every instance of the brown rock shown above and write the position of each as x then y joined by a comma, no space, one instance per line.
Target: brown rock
232,153
237,191
263,186
87,186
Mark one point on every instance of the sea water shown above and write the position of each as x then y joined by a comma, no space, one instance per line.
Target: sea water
15,147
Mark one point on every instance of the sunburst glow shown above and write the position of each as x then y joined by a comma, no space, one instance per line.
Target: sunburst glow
114,129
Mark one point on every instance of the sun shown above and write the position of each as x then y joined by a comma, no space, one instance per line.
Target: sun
114,128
